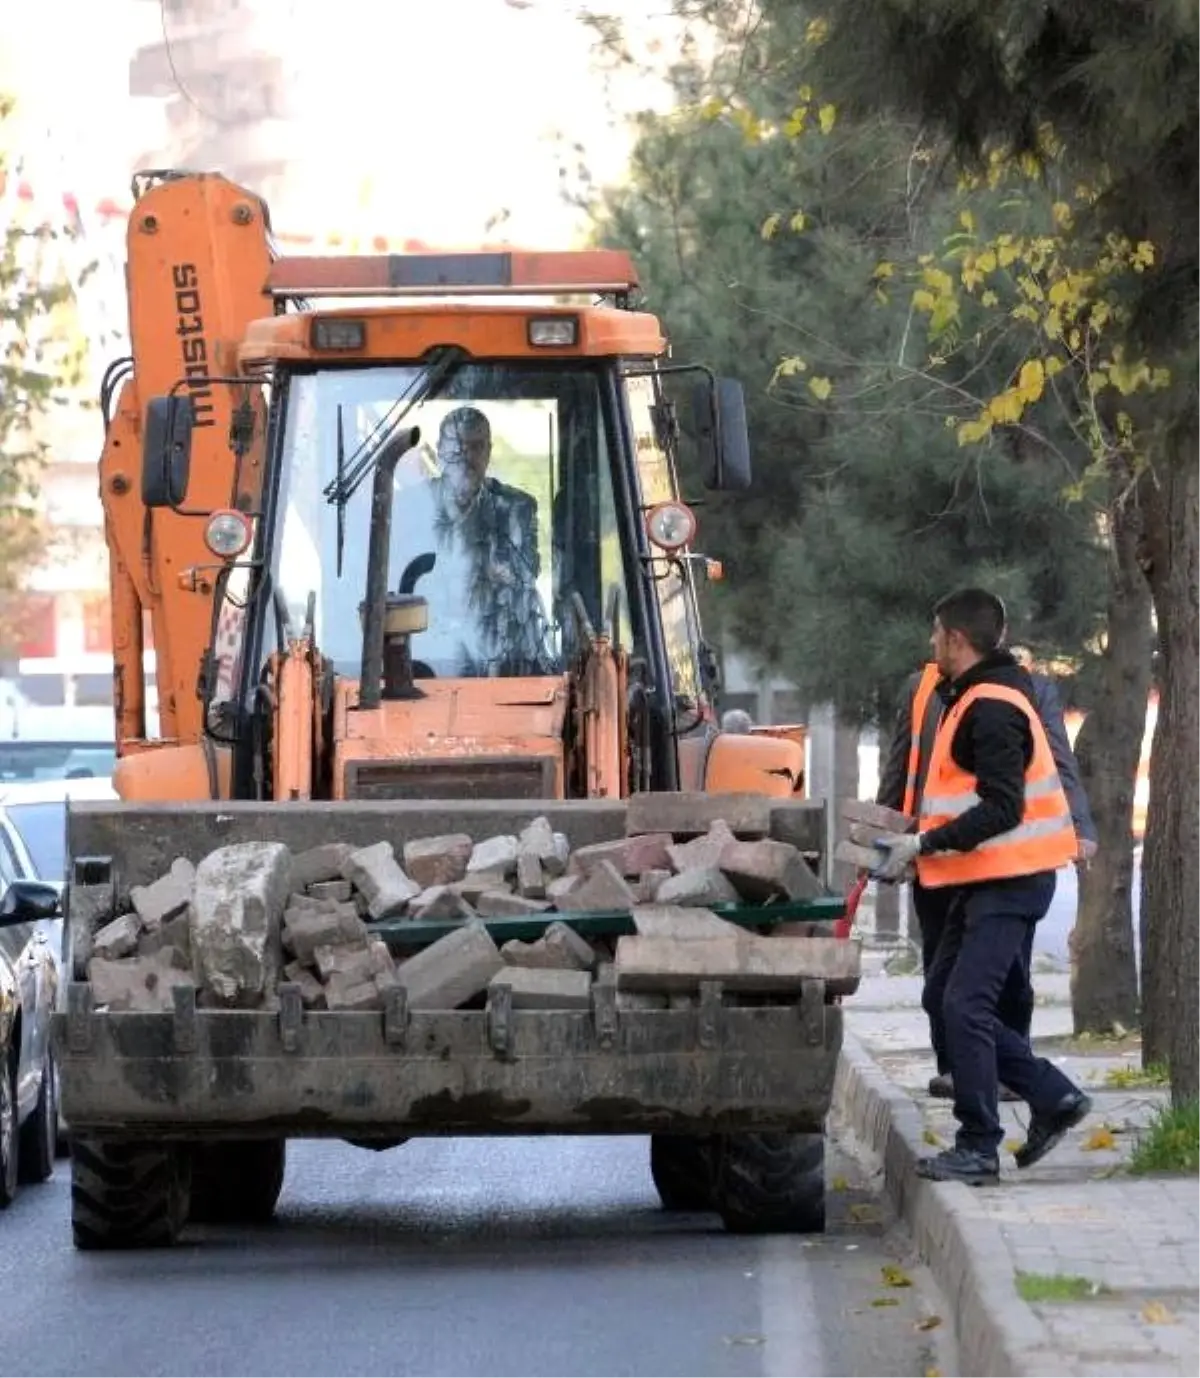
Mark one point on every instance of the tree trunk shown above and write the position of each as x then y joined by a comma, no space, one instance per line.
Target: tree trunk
1104,984
1170,863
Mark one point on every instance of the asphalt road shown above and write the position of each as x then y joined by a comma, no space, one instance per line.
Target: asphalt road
1055,928
509,1256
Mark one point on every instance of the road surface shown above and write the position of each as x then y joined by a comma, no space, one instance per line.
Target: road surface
509,1256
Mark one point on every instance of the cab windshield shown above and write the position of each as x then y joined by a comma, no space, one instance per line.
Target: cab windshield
510,489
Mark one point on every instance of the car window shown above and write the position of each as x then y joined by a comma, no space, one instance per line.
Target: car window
25,760
43,831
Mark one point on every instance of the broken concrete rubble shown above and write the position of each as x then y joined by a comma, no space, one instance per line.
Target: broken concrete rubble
431,861
319,864
440,902
605,888
304,930
236,916
545,988
449,972
167,897
704,887
118,938
376,873
767,870
702,853
559,946
138,984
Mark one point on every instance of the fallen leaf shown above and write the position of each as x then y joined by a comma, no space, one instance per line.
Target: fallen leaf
931,1138
929,1322
1098,1139
744,1339
886,1301
1011,1145
933,1373
840,1184
1155,1313
863,1214
894,1276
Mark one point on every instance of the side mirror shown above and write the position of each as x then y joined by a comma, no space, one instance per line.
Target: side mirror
27,901
167,450
719,418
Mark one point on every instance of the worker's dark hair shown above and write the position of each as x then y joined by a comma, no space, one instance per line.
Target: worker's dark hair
976,614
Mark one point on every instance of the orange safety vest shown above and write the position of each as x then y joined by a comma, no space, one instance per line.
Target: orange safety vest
1043,840
920,705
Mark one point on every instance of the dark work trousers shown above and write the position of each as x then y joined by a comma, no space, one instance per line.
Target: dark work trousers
1015,1006
987,929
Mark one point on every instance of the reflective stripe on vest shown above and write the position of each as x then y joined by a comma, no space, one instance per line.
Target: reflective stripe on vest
1044,839
920,706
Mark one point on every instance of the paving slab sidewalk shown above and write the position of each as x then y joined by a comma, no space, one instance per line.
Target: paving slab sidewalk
1076,1214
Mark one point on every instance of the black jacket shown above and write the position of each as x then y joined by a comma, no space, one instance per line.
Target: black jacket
993,742
894,771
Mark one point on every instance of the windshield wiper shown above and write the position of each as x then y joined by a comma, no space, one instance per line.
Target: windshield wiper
352,472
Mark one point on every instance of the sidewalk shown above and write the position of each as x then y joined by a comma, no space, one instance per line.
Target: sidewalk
1076,1214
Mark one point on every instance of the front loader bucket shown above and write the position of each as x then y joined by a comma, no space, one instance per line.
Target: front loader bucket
701,1058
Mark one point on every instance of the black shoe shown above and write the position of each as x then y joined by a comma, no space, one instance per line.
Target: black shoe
1046,1130
942,1086
961,1165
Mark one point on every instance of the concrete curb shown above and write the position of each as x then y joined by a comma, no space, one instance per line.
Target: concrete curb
996,1332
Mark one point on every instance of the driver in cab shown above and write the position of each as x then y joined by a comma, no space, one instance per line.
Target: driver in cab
485,613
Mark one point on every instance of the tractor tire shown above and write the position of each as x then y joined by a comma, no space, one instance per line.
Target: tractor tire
769,1183
682,1170
237,1182
127,1195
39,1133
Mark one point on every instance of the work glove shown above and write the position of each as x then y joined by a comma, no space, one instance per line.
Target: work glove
899,855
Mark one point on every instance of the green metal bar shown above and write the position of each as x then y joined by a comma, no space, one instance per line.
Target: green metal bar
612,923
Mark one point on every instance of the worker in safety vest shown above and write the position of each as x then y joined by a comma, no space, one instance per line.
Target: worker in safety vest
994,825
901,782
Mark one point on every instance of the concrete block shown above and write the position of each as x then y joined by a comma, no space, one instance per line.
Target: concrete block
472,886
167,897
495,904
431,861
560,888
559,947
312,992
319,863
449,972
236,916
766,870
546,988
552,849
876,816
698,887
531,879
745,962
630,855
118,938
440,902
702,853
337,891
342,993
604,889
497,854
350,964
378,876
647,884
680,922
685,815
304,930
855,854
138,983
173,933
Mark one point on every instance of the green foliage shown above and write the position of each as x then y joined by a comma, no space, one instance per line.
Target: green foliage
1057,1287
1171,1143
37,357
759,216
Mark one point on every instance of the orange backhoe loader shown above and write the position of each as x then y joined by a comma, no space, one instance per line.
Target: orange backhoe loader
407,535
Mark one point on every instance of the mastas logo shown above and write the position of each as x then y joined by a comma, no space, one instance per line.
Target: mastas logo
190,329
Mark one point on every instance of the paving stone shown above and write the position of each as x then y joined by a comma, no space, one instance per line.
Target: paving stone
495,904
552,849
312,992
494,854
766,870
472,886
559,946
449,972
646,886
339,891
349,964
118,938
630,855
166,897
174,932
342,993
440,902
378,876
703,887
531,879
702,853
319,863
440,860
877,816
545,988
680,921
236,914
559,890
604,889
742,962
304,930
139,984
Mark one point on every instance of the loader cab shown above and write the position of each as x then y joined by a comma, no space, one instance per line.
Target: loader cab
523,460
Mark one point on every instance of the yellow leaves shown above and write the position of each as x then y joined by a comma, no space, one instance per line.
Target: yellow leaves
989,298
1007,252
1031,382
798,221
817,32
1054,366
827,117
1127,377
923,300
840,1184
796,122
986,262
1011,1145
931,1138
1155,1313
967,221
1053,325
1098,1140
1099,315
1142,256
971,277
1061,214
787,368
1005,408
929,1322
805,95
820,388
1160,378
712,109
1030,288
940,281
883,271
770,226
895,1276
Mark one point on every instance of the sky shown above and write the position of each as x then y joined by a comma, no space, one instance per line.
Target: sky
410,118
